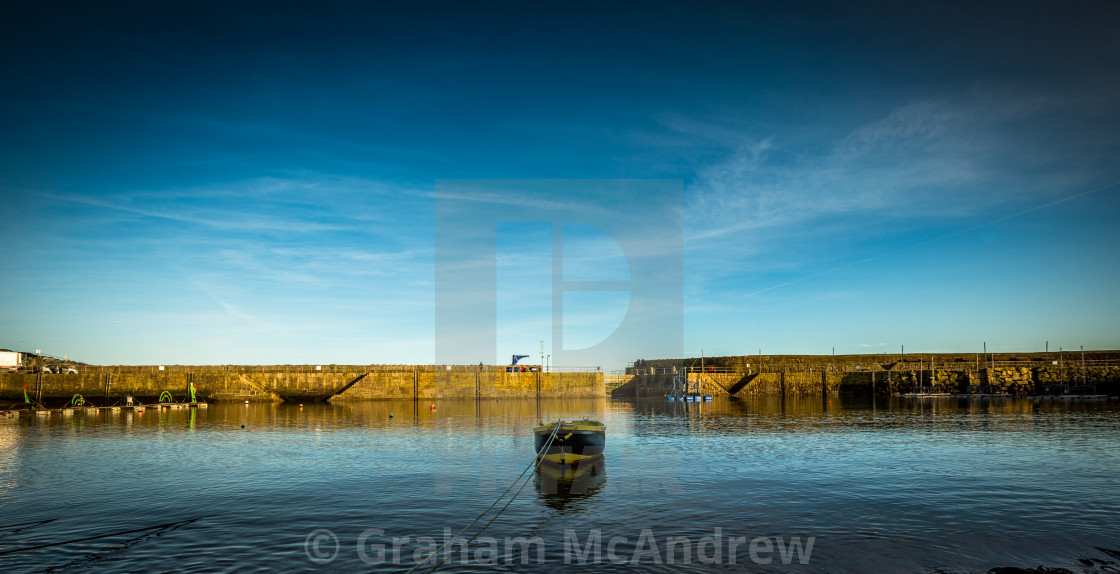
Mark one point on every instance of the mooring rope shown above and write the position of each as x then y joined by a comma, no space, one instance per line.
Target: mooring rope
159,527
21,525
487,525
536,462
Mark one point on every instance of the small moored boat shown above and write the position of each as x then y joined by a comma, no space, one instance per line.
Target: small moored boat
575,441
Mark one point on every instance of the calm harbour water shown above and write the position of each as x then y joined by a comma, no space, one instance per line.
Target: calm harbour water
895,486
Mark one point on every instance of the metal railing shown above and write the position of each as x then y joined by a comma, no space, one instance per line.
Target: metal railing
334,369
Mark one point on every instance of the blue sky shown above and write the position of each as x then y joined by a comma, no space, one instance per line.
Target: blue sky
250,183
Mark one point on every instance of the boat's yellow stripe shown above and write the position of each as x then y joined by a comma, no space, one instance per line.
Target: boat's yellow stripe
591,426
568,457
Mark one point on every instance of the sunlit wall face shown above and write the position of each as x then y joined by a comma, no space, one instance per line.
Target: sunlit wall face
583,272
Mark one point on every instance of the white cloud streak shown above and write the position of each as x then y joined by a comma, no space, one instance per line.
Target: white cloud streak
948,157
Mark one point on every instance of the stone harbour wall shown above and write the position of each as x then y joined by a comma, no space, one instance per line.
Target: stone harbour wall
470,382
1013,380
109,385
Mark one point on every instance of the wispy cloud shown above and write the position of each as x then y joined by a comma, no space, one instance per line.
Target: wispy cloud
954,156
299,203
523,201
224,221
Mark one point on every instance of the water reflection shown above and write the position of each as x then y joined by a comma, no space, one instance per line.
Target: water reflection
518,415
567,487
874,480
656,416
11,440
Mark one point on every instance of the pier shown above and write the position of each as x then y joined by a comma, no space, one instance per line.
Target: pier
926,375
105,385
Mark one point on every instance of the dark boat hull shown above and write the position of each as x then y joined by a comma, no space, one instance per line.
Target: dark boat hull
574,442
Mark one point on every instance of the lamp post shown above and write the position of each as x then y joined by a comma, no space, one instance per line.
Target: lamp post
1083,384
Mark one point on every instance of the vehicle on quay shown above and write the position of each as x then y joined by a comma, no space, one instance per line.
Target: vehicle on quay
10,361
58,369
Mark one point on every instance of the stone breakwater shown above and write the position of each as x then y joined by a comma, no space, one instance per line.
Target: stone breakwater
109,385
813,375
